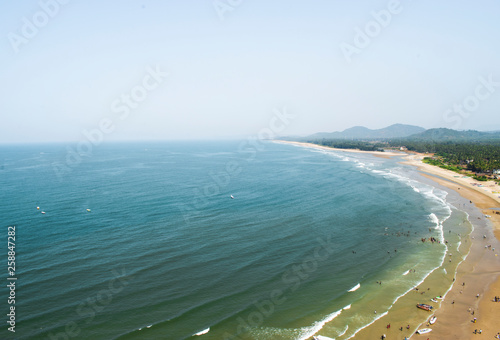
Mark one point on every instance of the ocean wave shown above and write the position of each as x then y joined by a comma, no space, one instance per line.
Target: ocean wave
321,337
345,330
367,325
356,287
317,326
428,191
205,331
434,219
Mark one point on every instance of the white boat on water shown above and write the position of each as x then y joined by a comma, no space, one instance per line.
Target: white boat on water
424,330
432,320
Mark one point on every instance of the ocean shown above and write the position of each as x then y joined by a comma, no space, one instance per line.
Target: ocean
225,239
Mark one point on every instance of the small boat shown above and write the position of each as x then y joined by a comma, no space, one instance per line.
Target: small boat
88,210
424,306
232,197
432,320
43,212
424,330
37,208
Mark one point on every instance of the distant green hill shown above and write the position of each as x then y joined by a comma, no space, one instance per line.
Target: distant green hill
447,135
459,151
363,133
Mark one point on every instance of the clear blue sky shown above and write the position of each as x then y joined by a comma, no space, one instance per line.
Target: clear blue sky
225,77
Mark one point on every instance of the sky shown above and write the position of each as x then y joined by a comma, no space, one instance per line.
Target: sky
227,69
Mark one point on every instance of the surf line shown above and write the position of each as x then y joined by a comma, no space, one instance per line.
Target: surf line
205,331
356,287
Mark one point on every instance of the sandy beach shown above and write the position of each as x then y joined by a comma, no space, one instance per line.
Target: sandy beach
477,278
321,147
480,272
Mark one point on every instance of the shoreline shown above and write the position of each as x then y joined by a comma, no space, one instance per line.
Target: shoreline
321,147
480,270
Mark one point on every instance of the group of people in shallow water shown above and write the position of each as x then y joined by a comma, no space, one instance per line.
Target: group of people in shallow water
432,239
497,299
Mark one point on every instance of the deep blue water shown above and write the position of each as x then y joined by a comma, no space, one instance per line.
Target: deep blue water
166,246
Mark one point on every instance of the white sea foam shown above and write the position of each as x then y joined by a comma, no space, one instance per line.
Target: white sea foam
356,287
317,326
434,219
321,337
347,307
345,330
205,331
406,272
380,316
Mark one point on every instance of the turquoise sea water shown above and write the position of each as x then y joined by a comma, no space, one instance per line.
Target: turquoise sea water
165,252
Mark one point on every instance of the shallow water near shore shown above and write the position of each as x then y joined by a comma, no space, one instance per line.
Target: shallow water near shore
165,252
